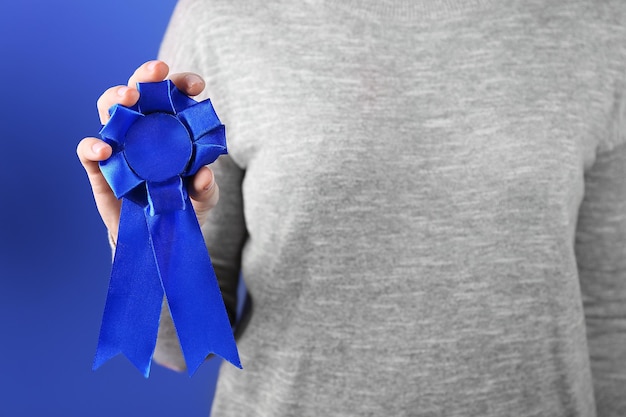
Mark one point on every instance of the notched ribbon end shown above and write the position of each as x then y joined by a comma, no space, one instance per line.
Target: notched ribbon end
140,364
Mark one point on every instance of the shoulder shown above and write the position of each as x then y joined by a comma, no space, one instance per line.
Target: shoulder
211,11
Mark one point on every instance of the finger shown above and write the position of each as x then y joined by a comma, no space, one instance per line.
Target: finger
128,95
120,94
204,192
91,151
151,71
188,82
203,189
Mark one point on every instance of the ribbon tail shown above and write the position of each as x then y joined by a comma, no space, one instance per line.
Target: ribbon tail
131,314
191,288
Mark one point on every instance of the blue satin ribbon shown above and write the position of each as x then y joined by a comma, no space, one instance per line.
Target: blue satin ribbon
157,145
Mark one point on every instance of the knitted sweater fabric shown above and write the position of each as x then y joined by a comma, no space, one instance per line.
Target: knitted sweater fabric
426,200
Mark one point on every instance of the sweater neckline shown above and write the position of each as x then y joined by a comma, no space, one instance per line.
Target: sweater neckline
409,10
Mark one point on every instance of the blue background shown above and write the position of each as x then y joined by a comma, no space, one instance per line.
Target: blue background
56,59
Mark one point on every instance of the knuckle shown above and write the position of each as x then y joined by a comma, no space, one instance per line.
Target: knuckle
82,147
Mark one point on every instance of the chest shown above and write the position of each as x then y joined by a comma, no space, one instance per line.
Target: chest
450,114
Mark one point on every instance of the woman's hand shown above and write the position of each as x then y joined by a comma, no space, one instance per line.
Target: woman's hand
203,189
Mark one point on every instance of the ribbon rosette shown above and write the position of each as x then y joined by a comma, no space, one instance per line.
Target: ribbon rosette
157,144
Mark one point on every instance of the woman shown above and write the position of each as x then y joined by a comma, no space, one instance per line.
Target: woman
426,199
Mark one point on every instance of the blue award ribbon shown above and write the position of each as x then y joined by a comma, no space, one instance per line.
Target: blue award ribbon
157,145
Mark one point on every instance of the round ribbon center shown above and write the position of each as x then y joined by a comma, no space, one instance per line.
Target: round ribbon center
157,147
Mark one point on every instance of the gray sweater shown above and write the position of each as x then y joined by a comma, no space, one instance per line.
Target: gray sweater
427,201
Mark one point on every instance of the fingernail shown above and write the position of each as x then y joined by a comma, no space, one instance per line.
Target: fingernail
122,91
152,65
192,79
97,147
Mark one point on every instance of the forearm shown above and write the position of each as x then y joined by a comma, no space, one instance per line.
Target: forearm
601,255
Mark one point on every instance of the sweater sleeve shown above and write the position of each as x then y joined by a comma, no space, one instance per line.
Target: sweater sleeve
601,254
224,231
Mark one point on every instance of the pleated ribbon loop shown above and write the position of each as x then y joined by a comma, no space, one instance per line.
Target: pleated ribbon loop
157,145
